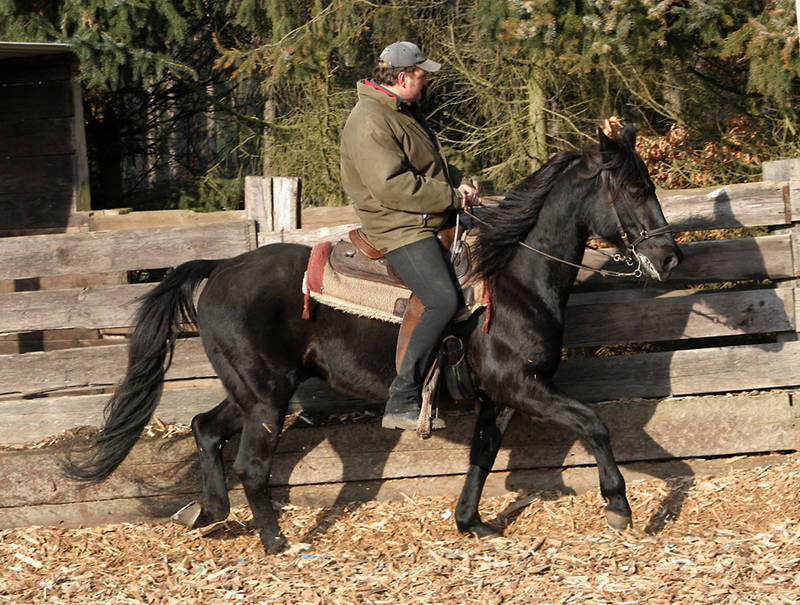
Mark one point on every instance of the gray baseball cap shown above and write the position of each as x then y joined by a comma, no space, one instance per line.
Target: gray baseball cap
406,54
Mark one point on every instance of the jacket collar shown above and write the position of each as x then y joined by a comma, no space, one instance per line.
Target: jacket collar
369,89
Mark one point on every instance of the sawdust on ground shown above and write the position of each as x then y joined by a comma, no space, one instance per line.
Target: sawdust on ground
735,539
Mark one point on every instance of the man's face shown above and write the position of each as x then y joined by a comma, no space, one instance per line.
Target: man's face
412,83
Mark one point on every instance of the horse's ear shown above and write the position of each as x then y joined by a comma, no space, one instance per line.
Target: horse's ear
628,136
606,143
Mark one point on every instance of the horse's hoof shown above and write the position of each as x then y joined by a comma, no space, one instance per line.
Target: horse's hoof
274,544
481,530
189,514
618,520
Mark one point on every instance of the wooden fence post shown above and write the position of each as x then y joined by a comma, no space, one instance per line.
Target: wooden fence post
781,170
273,202
258,201
285,202
789,170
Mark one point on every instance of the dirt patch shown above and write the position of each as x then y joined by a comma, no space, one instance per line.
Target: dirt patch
736,539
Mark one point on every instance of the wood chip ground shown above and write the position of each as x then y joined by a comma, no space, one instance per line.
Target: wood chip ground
732,538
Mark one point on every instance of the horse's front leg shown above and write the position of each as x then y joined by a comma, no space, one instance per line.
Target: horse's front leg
546,402
489,429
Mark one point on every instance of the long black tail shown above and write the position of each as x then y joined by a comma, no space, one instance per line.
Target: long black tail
149,355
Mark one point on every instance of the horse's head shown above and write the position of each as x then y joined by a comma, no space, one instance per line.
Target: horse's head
627,211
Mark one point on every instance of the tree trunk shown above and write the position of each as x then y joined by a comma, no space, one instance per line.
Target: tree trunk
267,148
537,116
672,94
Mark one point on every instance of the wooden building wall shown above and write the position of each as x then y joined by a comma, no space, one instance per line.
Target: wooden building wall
43,159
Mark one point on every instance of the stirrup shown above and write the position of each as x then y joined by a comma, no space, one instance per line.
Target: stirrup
408,421
429,386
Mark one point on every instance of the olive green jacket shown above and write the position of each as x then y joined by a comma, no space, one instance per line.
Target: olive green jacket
394,172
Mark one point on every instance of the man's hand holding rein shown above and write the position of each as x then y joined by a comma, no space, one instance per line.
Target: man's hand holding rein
468,195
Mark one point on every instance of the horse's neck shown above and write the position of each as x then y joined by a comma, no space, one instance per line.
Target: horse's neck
557,233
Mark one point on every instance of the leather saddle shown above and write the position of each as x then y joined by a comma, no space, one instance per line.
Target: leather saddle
360,259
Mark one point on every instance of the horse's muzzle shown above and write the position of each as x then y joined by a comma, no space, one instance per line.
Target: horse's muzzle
658,261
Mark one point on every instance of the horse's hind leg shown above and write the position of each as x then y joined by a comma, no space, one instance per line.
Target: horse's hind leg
212,430
262,427
489,429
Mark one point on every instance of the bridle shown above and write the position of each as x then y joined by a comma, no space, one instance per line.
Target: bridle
629,257
630,246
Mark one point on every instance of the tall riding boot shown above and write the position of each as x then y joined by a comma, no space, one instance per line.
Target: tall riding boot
405,393
425,269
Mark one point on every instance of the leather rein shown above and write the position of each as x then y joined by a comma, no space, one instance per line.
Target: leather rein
628,258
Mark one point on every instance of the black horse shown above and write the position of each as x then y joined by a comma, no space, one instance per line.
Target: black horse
249,319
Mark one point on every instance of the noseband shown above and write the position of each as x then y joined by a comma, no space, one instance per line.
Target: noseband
630,247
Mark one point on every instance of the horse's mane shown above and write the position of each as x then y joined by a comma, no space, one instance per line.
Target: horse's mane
502,227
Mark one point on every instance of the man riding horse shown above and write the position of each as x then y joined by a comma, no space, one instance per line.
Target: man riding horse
403,190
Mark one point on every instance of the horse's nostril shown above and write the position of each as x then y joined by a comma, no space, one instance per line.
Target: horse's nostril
671,262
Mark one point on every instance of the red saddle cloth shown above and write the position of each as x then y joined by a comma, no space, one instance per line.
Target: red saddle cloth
314,270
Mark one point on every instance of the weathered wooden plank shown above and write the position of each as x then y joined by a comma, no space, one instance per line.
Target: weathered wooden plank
81,199
796,248
736,259
92,307
672,428
567,480
258,202
100,366
273,202
30,420
698,314
49,340
101,252
709,370
286,202
147,219
640,430
631,319
796,311
769,256
306,237
649,375
794,199
730,206
313,218
64,282
720,207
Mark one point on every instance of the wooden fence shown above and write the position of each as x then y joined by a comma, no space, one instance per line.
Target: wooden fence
702,366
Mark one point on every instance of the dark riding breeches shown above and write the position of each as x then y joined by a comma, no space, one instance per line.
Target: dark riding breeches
424,267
